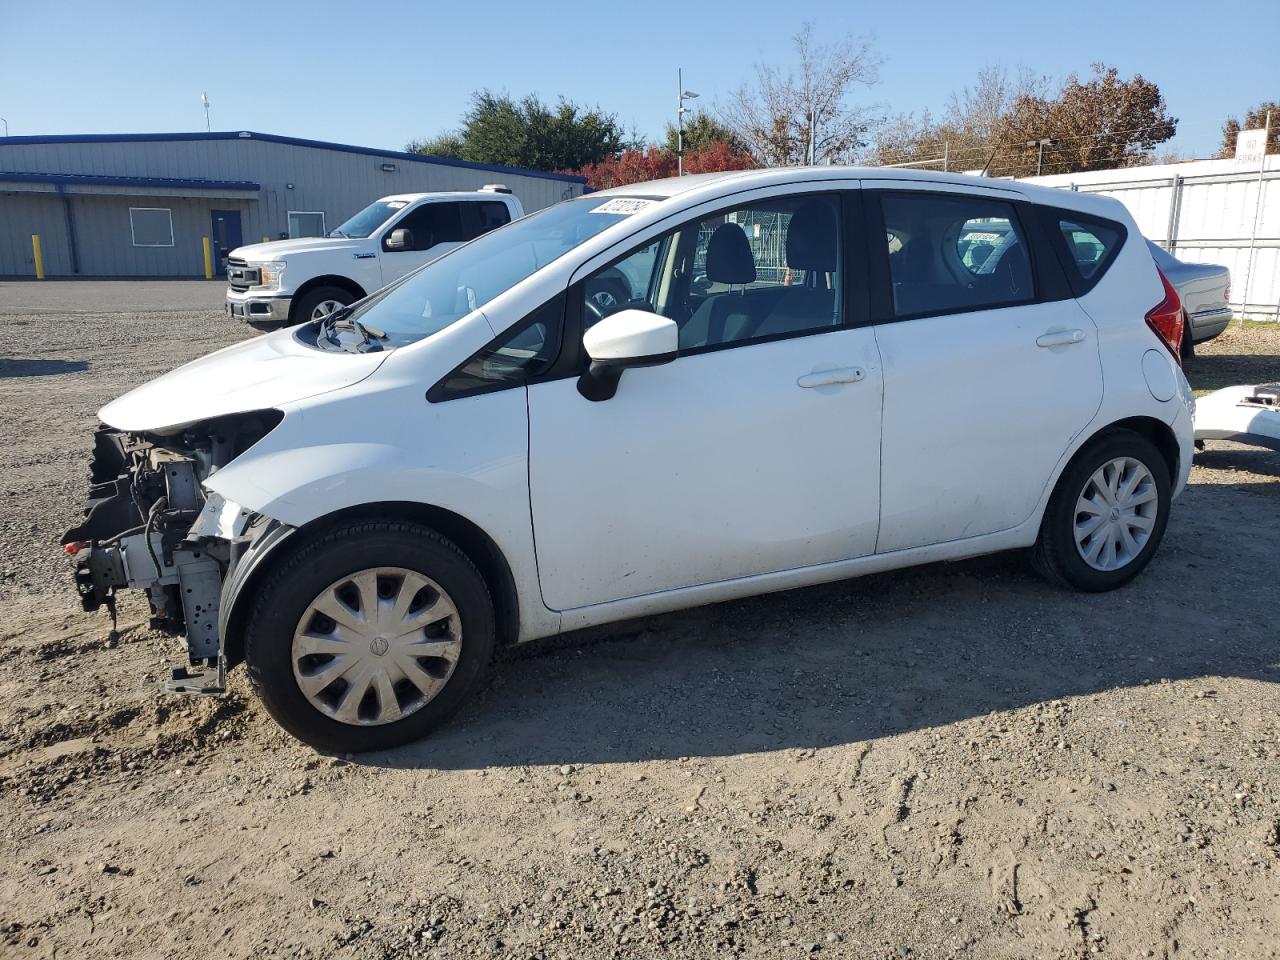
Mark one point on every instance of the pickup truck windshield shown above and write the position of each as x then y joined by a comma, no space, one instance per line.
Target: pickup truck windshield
468,277
369,219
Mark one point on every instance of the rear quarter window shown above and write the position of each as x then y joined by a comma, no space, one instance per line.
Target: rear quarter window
1087,246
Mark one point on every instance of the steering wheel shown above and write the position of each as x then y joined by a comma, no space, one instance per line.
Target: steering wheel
593,308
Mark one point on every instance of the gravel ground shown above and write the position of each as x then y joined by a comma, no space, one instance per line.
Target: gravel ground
951,761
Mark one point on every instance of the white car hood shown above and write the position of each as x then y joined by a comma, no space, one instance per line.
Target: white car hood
258,374
283,249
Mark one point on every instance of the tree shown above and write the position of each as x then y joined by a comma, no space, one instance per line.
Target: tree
1254,119
1099,124
967,134
448,144
1102,123
652,163
631,166
702,130
529,133
787,119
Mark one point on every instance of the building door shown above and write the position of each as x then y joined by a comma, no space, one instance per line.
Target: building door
225,225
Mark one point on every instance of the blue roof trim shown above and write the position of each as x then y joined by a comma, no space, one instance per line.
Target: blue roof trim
89,179
294,141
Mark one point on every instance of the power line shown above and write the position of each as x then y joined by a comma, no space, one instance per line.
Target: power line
1002,151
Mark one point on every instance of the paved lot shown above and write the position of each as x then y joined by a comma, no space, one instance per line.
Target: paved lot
955,761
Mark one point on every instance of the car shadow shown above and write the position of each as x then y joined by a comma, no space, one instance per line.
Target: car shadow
1213,371
1223,456
40,368
876,656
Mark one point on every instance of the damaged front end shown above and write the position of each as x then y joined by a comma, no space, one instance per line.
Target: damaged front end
150,525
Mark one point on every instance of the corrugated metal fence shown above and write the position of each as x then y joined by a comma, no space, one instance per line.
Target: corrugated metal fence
1205,211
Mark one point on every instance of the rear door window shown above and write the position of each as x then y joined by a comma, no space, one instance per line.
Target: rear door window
952,253
493,214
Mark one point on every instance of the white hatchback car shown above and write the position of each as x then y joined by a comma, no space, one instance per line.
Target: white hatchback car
666,395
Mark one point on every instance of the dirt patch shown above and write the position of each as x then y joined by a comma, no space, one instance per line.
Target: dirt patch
950,761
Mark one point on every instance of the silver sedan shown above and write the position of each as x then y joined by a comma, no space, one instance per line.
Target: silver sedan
1204,288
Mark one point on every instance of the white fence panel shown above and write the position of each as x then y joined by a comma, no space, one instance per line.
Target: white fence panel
1204,212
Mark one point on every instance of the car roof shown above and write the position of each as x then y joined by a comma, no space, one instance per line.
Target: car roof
709,184
446,195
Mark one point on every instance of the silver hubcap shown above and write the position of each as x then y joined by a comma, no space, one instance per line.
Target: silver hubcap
324,308
376,646
1116,513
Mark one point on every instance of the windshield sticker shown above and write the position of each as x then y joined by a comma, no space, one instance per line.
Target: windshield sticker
397,204
624,206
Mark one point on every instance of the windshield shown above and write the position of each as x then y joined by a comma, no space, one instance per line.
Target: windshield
468,277
369,219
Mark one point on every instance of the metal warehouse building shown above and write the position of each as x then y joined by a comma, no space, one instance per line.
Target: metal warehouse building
140,205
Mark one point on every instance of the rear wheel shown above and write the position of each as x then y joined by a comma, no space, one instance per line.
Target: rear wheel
318,303
370,637
1107,515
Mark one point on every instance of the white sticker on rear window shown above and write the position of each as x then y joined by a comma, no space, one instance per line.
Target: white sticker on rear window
624,206
397,204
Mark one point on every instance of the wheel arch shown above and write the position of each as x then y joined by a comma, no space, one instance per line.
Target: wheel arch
1157,431
473,541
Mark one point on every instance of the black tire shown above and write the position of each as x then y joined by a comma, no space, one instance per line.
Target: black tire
343,551
1055,554
303,306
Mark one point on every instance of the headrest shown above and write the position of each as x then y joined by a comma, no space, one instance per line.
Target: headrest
729,257
811,237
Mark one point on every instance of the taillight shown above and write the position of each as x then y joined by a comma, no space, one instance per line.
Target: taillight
1165,318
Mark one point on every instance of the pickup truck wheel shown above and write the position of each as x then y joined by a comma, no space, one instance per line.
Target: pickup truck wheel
1107,514
370,637
319,303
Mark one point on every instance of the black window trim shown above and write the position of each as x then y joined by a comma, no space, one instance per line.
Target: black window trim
1051,219
1046,286
441,391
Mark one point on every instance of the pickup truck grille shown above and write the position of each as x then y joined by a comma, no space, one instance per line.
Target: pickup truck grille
241,276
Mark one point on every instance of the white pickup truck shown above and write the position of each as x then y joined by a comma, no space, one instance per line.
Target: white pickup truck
293,281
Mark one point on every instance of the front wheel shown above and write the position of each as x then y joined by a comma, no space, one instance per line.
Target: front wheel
1107,514
369,637
318,303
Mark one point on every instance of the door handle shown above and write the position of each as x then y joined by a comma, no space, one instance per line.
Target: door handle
1059,338
825,378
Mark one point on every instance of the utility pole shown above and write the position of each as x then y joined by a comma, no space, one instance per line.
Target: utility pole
1041,144
681,97
1257,214
204,98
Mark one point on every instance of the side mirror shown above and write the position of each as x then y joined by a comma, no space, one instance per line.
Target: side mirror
401,239
628,338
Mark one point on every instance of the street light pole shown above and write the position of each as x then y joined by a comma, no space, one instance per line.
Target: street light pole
681,96
6,125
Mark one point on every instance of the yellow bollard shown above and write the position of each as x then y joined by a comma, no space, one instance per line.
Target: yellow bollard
208,258
39,254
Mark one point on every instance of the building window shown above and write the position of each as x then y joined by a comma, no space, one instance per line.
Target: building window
306,223
151,226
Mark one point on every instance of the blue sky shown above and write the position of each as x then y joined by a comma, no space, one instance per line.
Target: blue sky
379,74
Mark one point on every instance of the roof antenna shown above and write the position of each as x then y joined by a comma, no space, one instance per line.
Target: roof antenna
204,98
